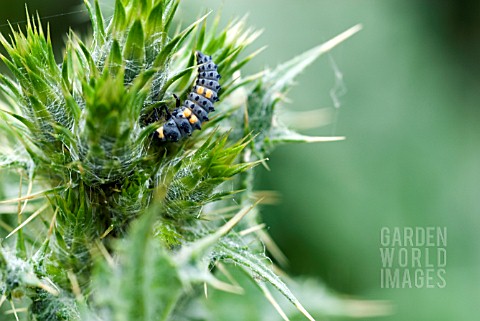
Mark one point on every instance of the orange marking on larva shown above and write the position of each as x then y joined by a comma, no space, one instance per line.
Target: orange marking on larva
200,90
209,93
187,112
160,132
193,119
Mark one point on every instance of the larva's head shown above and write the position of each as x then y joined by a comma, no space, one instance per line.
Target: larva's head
201,58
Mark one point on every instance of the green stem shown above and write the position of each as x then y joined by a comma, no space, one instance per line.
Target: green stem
170,306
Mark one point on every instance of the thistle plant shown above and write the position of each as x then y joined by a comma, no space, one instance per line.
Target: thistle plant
101,220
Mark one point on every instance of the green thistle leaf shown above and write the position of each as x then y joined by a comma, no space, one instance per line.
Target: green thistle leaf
144,284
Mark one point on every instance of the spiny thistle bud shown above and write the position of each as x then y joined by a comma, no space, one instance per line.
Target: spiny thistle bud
125,206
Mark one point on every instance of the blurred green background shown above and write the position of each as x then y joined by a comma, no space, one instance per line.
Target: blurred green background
409,97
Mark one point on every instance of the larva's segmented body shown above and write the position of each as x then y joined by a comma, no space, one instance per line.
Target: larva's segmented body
194,111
